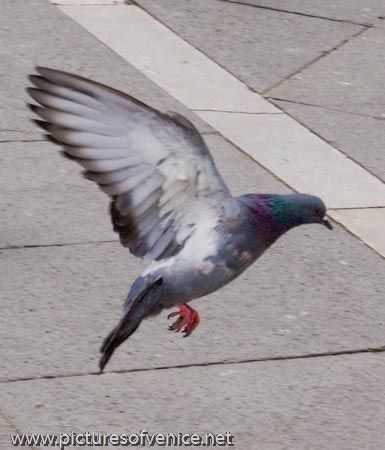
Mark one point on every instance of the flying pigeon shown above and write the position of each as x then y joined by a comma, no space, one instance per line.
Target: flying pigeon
169,204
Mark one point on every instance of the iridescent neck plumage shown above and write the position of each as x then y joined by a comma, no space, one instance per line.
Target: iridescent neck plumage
282,212
266,215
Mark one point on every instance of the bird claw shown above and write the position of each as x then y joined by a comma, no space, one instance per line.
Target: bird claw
173,314
187,322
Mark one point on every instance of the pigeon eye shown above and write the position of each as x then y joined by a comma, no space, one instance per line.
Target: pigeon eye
317,211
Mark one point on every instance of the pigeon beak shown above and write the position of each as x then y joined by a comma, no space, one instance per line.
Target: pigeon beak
327,224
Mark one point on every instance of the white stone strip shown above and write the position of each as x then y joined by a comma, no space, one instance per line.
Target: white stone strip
300,158
287,149
368,224
186,73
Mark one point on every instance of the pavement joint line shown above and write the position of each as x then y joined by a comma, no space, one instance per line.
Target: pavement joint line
4,130
211,133
352,352
86,3
62,244
47,140
357,208
236,112
271,8
21,140
313,61
314,105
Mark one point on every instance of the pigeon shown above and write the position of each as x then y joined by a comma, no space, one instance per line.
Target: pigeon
169,204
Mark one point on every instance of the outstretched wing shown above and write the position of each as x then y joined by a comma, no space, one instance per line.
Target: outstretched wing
156,167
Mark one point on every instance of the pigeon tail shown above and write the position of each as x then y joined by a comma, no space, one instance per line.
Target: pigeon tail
138,306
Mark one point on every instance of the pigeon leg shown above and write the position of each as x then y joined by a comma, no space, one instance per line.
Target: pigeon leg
188,319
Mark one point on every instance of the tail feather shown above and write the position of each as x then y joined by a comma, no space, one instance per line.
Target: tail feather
138,310
117,336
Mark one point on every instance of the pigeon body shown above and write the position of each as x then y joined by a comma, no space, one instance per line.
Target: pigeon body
169,203
221,250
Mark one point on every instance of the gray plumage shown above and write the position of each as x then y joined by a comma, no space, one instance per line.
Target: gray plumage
169,203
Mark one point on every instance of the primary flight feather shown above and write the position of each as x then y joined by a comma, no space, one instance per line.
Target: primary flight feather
169,203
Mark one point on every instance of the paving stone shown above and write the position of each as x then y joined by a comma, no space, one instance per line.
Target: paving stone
258,55
45,201
361,138
319,404
349,79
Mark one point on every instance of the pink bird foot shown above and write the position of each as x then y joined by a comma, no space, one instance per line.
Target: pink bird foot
188,319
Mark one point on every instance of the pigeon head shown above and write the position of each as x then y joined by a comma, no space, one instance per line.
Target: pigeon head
298,209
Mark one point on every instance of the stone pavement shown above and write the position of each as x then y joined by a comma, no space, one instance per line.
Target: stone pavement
288,356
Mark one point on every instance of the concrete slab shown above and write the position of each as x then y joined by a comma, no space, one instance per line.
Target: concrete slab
259,55
300,158
366,12
38,166
45,201
29,36
319,404
314,291
349,79
180,69
368,224
361,138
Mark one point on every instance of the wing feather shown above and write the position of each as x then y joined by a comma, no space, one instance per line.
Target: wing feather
156,167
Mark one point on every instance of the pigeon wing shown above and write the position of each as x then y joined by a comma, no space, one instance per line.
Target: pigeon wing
155,166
